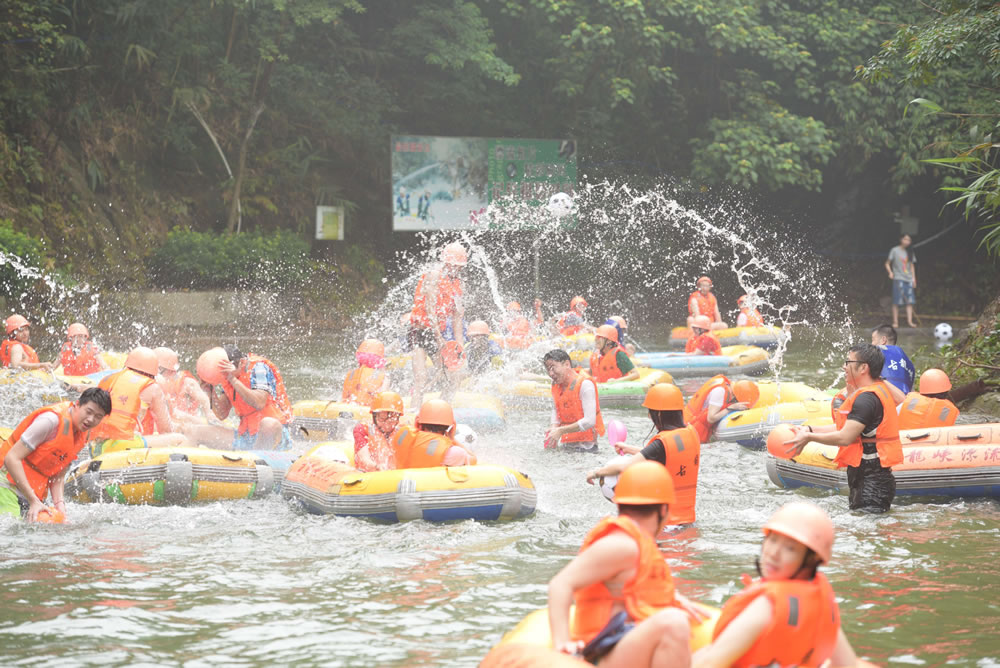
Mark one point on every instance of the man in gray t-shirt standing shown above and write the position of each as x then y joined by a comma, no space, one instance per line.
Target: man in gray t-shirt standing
902,267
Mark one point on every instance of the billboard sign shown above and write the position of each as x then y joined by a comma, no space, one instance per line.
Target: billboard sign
446,183
330,223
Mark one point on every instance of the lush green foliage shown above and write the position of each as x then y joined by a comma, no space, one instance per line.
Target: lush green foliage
16,249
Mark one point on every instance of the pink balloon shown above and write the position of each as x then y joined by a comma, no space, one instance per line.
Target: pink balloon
617,433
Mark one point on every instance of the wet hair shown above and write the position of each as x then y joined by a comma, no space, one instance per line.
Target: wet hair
641,510
436,428
888,331
667,419
96,395
870,355
556,355
938,395
234,353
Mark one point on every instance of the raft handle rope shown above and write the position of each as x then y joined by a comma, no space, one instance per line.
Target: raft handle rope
969,437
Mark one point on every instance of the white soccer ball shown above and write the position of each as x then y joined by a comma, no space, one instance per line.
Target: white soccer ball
607,483
560,205
942,332
465,435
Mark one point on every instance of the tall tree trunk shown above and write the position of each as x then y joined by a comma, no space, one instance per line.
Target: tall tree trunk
235,221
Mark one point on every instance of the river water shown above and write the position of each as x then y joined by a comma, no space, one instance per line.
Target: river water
259,583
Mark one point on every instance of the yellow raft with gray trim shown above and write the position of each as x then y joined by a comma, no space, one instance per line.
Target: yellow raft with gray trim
535,390
169,476
324,482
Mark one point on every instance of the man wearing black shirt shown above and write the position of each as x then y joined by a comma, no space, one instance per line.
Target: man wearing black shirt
868,436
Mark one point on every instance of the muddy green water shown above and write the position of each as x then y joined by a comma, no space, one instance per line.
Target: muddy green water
258,583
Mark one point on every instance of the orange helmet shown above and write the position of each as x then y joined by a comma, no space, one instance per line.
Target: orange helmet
704,279
143,360
702,322
372,347
387,402
620,320
436,411
16,322
478,328
513,306
608,332
210,365
934,381
167,358
455,253
644,483
747,392
577,301
805,522
664,397
77,329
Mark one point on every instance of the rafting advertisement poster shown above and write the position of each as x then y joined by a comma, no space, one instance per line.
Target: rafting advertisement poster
447,183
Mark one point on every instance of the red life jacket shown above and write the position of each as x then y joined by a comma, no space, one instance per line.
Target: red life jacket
890,450
683,450
605,367
803,630
696,411
82,363
918,411
648,591
707,304
754,319
276,407
125,388
7,346
706,344
569,409
50,458
380,447
569,330
362,384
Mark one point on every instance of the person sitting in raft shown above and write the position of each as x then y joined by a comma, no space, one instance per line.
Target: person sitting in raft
431,442
931,407
623,336
714,400
702,341
480,352
574,320
898,369
436,300
620,569
866,429
48,441
703,302
138,408
675,446
15,351
79,355
609,363
749,315
789,617
576,413
516,328
185,398
373,444
252,388
369,378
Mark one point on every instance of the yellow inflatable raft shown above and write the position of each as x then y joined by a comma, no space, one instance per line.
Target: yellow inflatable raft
169,476
115,362
535,390
763,337
736,359
750,428
325,483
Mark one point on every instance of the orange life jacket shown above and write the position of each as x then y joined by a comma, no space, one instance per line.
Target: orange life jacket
362,384
890,450
518,334
278,408
569,330
696,411
124,386
605,367
706,304
7,346
79,364
569,409
449,291
416,449
918,411
648,591
683,449
754,319
50,458
837,402
177,399
706,344
803,630
380,449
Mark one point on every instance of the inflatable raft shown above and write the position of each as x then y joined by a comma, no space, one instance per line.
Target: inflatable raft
741,359
750,428
962,460
535,390
762,337
325,483
169,476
